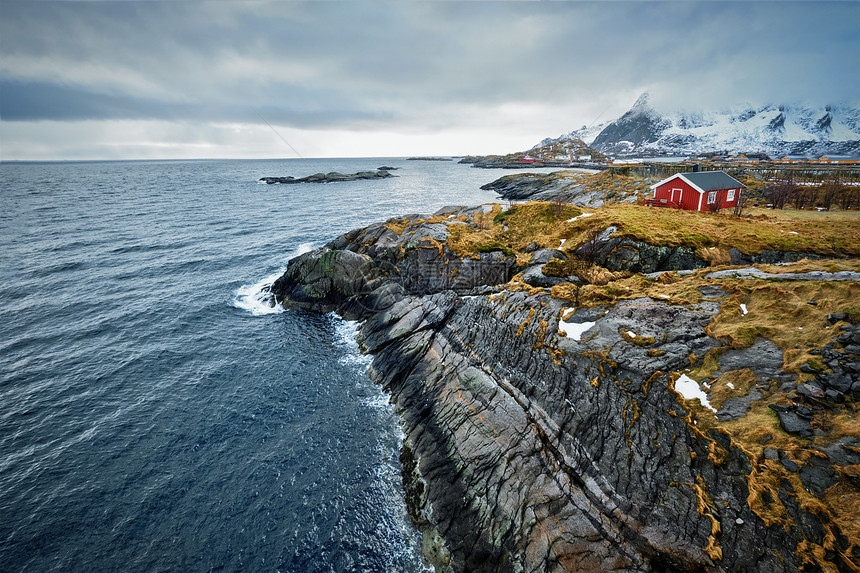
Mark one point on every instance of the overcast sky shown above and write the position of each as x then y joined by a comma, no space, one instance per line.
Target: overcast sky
186,78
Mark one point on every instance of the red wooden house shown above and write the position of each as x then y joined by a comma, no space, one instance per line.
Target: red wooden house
699,191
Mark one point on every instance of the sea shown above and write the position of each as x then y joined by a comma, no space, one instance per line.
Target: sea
155,413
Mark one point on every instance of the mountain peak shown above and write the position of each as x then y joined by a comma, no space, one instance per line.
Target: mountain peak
642,103
772,129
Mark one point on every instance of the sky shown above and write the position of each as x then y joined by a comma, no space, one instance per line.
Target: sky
178,79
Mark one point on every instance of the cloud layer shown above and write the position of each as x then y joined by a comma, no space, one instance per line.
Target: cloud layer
381,76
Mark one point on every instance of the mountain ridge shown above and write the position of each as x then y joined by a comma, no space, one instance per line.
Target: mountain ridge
774,129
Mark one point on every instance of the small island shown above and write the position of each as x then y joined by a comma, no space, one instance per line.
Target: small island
330,177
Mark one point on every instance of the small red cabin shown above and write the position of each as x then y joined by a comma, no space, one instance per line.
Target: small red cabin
700,191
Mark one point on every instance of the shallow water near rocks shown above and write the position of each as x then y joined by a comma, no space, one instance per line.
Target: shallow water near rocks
154,415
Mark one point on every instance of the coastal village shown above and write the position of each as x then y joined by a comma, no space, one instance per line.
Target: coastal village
801,182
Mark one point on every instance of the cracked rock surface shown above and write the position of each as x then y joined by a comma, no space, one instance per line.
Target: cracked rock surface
531,448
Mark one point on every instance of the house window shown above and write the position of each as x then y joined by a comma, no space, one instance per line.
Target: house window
730,195
712,197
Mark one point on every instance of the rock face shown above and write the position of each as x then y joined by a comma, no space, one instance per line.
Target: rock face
545,438
330,177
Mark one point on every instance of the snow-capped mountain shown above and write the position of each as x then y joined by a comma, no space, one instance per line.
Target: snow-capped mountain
585,133
773,129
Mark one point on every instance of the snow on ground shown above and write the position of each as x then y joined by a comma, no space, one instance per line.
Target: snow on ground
573,330
689,389
583,216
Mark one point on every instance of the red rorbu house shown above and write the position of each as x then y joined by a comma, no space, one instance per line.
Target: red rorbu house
700,191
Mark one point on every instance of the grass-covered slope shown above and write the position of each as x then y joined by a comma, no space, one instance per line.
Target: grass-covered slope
546,224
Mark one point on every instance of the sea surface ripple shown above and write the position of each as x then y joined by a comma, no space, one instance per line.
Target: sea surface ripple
154,415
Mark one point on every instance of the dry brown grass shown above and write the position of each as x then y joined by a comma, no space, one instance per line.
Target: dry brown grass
833,233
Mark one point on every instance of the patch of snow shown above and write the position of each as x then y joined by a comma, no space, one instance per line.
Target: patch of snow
560,245
583,216
573,330
665,296
689,389
794,233
730,385
743,308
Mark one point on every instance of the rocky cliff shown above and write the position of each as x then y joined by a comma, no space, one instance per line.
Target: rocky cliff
605,420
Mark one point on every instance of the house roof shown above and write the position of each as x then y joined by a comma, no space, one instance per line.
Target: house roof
705,180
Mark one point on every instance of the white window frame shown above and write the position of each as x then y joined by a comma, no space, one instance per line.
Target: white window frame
712,197
730,195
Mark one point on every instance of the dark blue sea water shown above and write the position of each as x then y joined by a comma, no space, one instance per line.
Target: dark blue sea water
153,415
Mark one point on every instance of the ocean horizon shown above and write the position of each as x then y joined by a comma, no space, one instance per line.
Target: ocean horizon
156,414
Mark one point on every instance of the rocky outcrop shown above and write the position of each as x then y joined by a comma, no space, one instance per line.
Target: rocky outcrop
619,252
330,177
543,437
625,253
360,271
568,187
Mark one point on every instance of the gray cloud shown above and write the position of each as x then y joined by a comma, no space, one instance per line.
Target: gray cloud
414,66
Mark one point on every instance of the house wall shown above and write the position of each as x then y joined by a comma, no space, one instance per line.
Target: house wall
721,197
690,195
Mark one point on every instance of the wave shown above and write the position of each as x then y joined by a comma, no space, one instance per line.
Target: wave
346,333
256,298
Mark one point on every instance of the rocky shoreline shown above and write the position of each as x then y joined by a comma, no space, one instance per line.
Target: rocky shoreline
544,426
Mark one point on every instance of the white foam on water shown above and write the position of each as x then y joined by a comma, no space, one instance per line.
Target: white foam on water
379,402
689,389
256,298
346,333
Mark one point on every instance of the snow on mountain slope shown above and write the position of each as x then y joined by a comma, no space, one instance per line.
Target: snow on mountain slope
585,133
772,129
